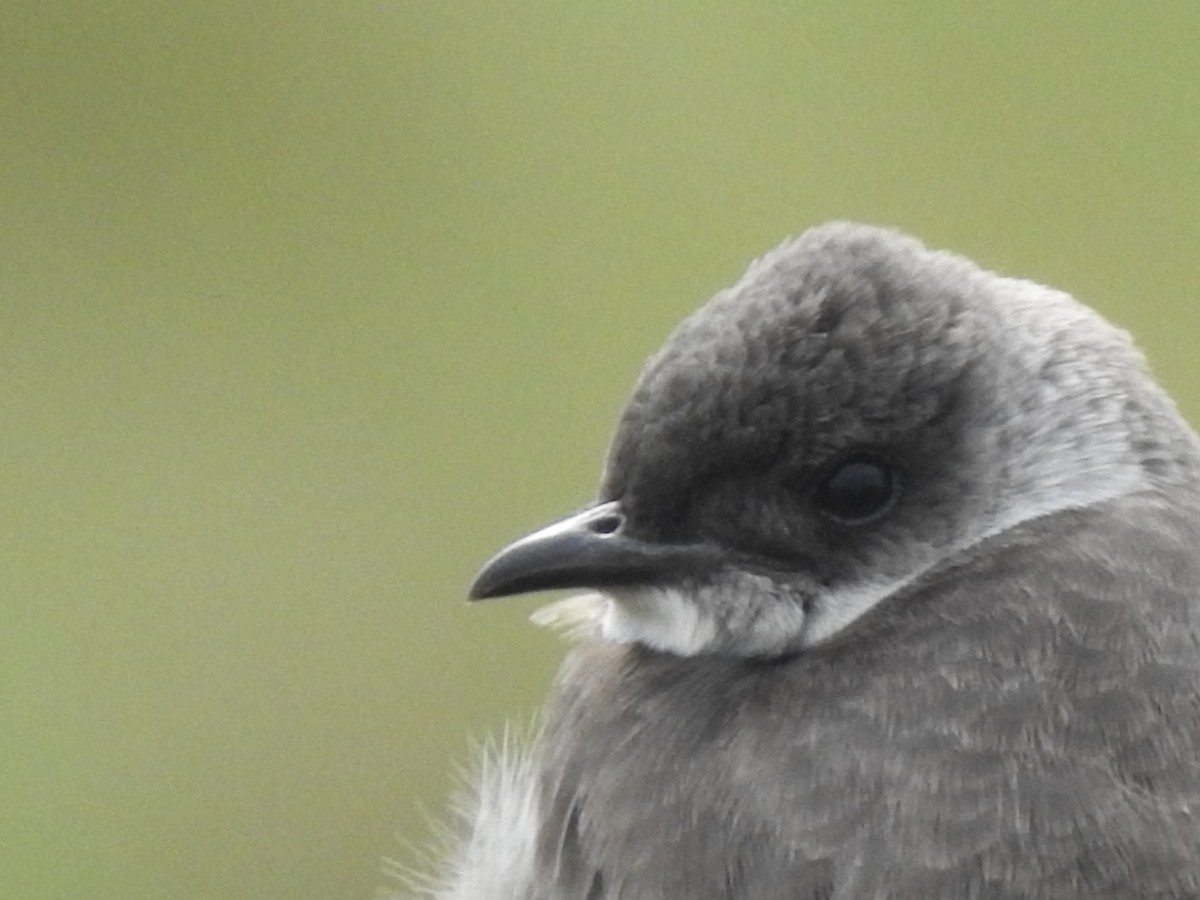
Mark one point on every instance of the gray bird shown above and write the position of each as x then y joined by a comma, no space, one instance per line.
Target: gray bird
893,577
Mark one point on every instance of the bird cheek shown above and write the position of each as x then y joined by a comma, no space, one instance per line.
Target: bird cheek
767,615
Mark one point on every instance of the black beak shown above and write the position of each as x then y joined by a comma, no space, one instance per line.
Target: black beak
586,550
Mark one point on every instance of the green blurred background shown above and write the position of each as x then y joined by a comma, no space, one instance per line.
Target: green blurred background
305,308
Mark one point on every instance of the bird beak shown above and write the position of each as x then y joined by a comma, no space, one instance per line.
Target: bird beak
586,550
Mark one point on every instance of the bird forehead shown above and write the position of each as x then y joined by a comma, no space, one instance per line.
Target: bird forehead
810,345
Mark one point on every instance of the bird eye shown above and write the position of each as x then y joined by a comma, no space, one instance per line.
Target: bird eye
857,490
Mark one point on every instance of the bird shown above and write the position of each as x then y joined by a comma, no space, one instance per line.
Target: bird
890,590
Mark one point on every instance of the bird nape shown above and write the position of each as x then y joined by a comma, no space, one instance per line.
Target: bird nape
890,591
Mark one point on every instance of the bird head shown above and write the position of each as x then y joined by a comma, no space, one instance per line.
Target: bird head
855,411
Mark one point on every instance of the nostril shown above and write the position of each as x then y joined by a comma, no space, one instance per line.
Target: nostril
607,524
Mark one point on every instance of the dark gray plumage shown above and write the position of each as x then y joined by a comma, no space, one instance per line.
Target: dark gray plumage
897,565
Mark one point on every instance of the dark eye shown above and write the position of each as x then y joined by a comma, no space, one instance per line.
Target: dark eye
857,490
